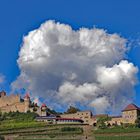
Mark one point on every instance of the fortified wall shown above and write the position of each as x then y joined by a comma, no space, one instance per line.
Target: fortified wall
15,103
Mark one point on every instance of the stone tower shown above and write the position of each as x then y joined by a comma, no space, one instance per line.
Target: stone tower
2,93
43,110
130,114
27,102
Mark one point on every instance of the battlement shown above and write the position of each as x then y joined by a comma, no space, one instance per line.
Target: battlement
2,93
14,102
8,100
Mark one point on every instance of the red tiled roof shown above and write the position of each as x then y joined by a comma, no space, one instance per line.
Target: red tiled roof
131,107
100,115
69,119
27,95
116,116
43,105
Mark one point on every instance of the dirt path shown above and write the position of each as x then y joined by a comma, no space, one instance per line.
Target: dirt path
88,133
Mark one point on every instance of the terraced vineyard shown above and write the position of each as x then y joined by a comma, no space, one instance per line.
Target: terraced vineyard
117,137
117,134
47,132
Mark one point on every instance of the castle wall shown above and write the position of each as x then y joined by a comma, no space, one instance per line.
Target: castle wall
9,100
13,108
115,120
11,103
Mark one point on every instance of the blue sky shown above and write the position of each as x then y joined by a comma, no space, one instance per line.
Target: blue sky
17,18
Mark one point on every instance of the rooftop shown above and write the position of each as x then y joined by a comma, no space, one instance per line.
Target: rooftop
27,96
100,115
69,119
43,105
131,107
116,116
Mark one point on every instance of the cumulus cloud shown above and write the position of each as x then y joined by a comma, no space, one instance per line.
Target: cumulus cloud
85,66
100,104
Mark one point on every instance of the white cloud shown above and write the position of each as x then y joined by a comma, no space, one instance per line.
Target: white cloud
86,66
100,104
113,84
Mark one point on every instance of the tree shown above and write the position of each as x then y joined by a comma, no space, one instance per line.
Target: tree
71,110
101,122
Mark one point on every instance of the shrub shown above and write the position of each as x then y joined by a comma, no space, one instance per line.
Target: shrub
18,116
129,125
52,136
71,129
101,122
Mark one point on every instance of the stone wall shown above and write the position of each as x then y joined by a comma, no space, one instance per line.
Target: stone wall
11,103
116,120
13,108
9,100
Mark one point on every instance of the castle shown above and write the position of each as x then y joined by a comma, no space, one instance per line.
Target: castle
15,103
129,116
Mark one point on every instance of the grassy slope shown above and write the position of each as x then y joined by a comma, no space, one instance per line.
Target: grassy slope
117,134
116,130
20,125
117,138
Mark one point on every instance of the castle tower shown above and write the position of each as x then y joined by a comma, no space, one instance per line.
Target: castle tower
130,114
27,102
43,110
2,93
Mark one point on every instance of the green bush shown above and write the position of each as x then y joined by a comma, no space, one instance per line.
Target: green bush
71,129
18,116
101,122
52,136
129,125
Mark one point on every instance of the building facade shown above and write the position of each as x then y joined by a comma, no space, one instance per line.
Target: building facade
86,116
59,120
